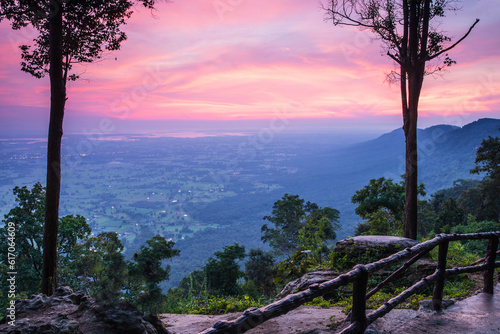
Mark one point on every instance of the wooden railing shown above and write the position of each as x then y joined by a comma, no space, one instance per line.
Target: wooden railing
254,317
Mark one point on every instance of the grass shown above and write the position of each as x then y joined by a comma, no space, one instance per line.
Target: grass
210,305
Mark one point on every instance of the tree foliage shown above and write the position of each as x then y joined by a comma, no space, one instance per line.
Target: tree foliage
470,205
471,225
192,285
382,204
101,266
28,217
90,28
260,269
223,271
488,162
146,272
289,216
450,215
488,158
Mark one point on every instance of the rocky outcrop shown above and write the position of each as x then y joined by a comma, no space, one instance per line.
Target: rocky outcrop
382,244
67,312
305,281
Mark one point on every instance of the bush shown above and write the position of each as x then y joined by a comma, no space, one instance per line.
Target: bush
476,247
209,305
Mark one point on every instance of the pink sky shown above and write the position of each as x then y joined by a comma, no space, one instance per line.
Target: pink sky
245,60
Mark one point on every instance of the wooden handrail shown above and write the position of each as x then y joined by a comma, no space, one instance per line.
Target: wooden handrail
482,259
395,274
253,317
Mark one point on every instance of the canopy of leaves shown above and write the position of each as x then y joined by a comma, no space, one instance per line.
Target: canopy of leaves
223,271
289,215
450,215
192,285
473,226
85,263
382,203
382,193
488,158
260,269
89,29
28,217
488,161
146,272
101,265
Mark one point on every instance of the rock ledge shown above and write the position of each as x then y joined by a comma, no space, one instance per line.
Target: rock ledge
67,312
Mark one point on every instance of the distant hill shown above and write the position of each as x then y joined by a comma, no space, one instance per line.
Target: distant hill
455,152
446,153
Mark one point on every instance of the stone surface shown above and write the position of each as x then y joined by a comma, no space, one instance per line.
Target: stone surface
382,244
305,281
303,320
478,314
426,304
67,312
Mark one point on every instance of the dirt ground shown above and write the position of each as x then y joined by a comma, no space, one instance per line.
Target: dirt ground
479,314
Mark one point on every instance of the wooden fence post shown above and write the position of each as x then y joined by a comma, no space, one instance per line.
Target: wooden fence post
437,294
358,313
491,254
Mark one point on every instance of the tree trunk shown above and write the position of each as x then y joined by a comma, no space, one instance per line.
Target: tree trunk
57,103
411,182
415,81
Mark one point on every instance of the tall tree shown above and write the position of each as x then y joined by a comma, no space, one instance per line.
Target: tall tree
70,32
405,28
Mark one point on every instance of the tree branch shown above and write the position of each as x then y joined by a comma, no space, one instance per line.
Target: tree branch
394,57
460,40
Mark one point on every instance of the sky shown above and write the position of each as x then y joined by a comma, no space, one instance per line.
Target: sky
236,64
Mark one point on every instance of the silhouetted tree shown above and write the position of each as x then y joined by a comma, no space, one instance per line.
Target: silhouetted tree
405,28
70,32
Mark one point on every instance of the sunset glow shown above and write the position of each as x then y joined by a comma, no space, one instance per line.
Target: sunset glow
246,60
